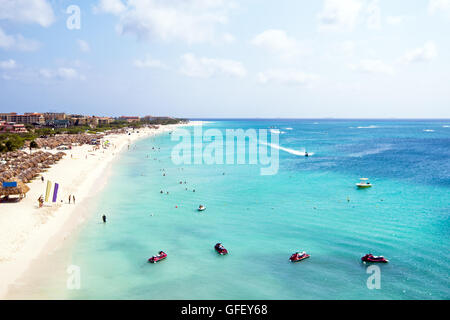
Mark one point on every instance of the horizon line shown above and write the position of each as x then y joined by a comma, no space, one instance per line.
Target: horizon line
324,118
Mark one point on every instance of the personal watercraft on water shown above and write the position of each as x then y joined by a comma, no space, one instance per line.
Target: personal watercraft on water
371,258
299,256
161,256
201,208
220,249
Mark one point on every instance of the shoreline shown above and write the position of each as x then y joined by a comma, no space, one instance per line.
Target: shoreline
27,233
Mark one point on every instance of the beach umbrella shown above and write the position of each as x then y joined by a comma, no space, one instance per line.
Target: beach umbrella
20,190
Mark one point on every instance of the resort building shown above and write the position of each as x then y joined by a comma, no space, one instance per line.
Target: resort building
58,123
104,120
12,127
78,119
54,116
27,118
130,119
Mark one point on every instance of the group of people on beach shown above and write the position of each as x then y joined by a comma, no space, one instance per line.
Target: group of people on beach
41,200
73,198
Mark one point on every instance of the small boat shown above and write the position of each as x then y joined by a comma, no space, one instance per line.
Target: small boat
364,183
299,256
371,258
220,249
201,208
161,256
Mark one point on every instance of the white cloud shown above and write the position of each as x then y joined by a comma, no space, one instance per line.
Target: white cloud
27,11
12,71
345,15
227,38
207,67
395,20
84,46
426,53
148,62
110,6
374,15
63,73
8,64
17,42
372,66
68,73
339,14
191,21
287,76
346,48
278,42
438,6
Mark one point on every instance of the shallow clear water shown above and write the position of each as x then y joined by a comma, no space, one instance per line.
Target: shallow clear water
263,219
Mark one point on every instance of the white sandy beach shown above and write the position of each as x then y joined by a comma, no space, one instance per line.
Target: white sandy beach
26,230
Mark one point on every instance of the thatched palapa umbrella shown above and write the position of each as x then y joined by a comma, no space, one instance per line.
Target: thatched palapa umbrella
20,190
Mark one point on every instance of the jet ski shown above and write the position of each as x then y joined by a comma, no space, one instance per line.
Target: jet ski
201,208
299,256
220,249
371,258
161,256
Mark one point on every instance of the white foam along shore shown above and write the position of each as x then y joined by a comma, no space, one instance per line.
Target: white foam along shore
26,230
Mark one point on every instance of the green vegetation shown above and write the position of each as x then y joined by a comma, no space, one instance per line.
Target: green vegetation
15,141
162,121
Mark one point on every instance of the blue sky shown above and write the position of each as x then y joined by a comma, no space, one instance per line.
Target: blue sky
226,58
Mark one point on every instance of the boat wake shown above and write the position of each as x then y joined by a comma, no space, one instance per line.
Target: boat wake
276,131
428,130
288,150
368,127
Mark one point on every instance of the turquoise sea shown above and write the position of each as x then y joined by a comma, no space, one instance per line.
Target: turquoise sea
312,204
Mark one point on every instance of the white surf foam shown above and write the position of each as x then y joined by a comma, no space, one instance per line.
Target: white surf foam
372,151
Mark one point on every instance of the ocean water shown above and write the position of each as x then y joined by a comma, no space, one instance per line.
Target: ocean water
311,204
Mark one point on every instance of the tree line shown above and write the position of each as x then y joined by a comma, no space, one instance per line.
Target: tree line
16,141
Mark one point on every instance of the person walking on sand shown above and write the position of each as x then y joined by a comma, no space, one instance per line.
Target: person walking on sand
73,198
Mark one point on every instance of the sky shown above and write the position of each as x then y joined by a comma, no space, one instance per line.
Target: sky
227,58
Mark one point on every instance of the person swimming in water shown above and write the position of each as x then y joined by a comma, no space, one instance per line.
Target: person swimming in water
104,218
